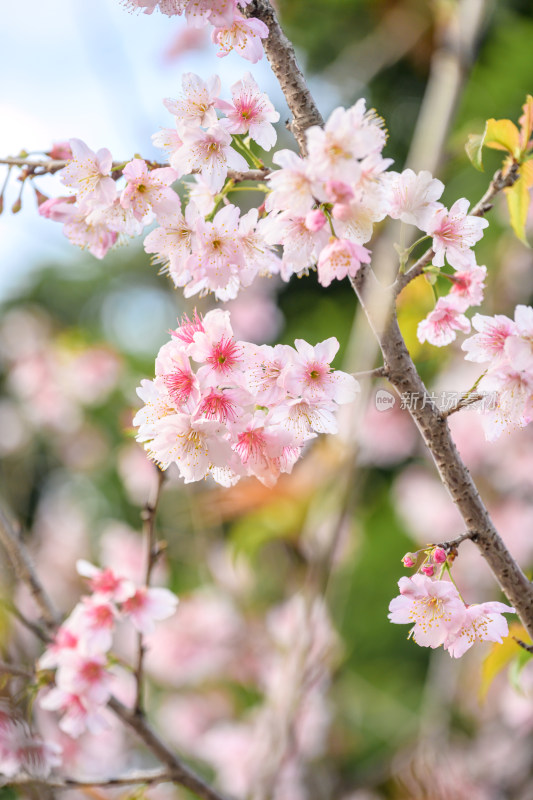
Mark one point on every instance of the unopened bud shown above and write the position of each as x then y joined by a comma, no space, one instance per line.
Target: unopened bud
315,220
17,205
439,555
1,204
428,570
409,560
40,197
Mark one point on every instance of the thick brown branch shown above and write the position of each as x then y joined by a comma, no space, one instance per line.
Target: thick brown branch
453,472
34,168
282,58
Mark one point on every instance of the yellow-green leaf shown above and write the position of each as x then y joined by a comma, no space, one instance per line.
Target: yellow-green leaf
526,172
502,134
500,656
474,150
518,203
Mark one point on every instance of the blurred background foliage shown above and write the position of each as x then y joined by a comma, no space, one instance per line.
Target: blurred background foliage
389,697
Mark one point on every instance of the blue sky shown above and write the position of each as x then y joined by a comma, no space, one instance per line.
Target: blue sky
91,70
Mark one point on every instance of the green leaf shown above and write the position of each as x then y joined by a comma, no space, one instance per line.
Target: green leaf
474,150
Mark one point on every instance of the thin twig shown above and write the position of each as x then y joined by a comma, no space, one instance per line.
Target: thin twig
18,672
454,543
36,629
34,168
463,402
378,372
152,553
24,570
150,778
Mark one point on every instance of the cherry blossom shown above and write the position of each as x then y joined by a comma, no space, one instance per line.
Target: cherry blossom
469,285
197,108
89,174
483,622
489,343
339,259
292,187
251,112
208,152
243,35
434,608
146,606
413,197
311,377
148,190
105,582
454,233
440,326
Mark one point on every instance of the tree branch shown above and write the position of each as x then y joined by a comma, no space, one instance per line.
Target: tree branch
280,53
150,778
152,553
24,570
34,168
453,472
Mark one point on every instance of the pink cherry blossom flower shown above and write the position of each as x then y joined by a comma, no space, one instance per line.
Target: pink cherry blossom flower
65,639
330,149
78,715
413,197
292,187
244,35
188,328
341,258
94,620
93,236
264,448
301,247
172,242
85,675
251,112
434,607
454,233
148,606
105,582
195,445
197,107
440,326
89,173
149,190
483,623
216,12
469,284
175,376
216,348
218,253
514,392
209,153
60,151
302,418
489,343
167,139
311,377
519,348
58,209
264,368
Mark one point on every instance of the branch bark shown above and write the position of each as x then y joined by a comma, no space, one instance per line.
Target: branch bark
280,53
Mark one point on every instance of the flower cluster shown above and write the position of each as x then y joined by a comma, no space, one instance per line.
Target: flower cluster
506,346
439,615
323,207
21,750
247,410
80,651
232,30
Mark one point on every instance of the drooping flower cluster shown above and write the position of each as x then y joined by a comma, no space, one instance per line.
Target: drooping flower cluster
439,616
21,751
506,346
80,651
246,410
232,30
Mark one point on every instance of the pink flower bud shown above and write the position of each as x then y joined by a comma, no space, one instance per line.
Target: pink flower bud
439,555
315,220
60,151
428,570
339,192
408,560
